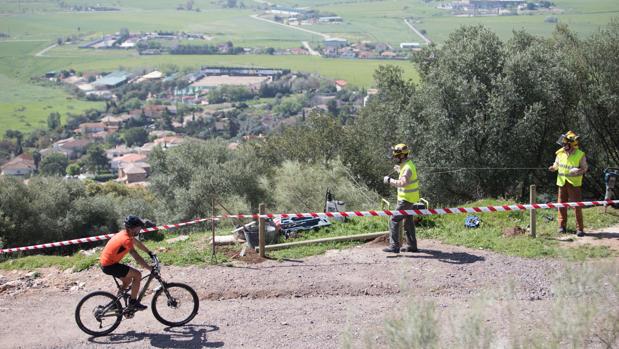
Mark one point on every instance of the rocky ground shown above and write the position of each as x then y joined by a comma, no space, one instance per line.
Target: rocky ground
318,302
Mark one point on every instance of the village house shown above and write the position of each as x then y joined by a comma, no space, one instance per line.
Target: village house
340,84
91,127
118,162
119,151
369,93
136,172
117,121
388,54
21,165
72,148
169,141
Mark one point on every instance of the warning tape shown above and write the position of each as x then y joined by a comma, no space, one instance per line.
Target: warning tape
426,212
372,213
100,237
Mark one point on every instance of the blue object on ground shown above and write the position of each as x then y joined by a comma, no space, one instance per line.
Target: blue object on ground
472,222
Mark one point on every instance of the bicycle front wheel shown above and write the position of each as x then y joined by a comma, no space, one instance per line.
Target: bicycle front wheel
98,313
175,304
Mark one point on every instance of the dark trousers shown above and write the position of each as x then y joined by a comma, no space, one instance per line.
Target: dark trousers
409,226
570,193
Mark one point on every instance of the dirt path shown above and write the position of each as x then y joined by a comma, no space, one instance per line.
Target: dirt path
305,303
423,37
43,51
324,36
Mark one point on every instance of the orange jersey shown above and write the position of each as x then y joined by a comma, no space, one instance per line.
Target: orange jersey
119,245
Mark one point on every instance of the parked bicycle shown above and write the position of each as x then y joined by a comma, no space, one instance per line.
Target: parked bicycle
174,304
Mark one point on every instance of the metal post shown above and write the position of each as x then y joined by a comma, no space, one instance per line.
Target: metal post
532,196
261,230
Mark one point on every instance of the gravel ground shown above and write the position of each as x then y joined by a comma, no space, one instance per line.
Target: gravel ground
308,303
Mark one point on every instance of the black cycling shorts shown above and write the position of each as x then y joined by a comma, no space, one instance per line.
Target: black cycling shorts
118,270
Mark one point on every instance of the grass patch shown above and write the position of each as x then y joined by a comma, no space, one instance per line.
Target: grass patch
582,313
450,229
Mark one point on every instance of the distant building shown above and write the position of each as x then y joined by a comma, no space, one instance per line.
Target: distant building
340,84
89,128
493,4
209,82
72,148
111,80
118,151
388,54
335,42
170,141
369,93
136,172
330,19
120,161
286,11
152,76
410,45
116,121
21,165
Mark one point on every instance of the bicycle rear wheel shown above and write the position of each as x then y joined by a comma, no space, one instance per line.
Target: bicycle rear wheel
98,313
175,304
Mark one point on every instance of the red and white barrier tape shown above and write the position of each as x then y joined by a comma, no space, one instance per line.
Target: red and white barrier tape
426,212
423,212
99,237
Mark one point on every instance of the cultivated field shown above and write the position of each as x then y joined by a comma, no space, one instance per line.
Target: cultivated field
35,25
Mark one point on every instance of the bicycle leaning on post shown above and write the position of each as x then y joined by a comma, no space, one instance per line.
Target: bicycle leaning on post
174,304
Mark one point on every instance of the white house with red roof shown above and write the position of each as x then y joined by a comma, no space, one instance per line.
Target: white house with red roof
21,165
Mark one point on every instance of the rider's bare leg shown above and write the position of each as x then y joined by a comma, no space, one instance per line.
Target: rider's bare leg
133,277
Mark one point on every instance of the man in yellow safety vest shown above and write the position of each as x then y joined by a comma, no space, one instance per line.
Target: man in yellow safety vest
570,165
408,194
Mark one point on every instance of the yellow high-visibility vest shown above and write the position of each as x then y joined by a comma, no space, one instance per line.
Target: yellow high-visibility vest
410,192
566,163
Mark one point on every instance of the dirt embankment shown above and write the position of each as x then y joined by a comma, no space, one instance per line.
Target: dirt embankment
306,303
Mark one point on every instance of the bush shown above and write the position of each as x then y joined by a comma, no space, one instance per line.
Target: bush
296,186
551,19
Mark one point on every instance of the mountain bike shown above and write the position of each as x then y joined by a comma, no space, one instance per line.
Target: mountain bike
174,304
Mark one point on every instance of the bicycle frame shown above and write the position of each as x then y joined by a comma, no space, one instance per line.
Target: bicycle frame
122,293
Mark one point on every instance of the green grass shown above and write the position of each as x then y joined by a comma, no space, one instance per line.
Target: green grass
450,229
439,28
24,104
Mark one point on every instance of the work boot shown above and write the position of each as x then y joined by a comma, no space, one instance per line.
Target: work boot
580,233
137,306
392,249
562,230
409,248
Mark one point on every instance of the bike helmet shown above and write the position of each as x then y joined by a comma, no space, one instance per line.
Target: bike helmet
570,137
133,221
399,149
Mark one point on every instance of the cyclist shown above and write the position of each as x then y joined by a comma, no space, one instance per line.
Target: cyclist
119,245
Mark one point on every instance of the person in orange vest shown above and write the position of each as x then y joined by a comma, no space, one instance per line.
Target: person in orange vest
570,165
408,195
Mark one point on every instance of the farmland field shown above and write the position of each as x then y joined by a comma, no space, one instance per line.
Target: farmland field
32,26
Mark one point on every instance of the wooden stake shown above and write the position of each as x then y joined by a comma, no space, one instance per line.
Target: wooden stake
213,256
360,237
532,196
261,230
